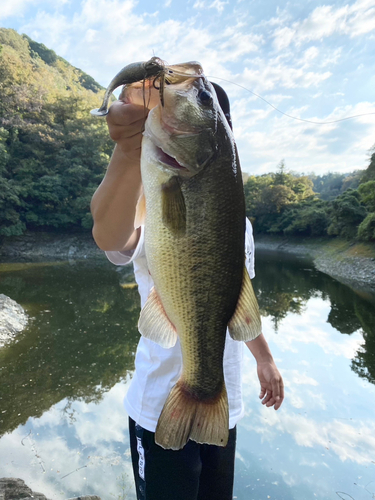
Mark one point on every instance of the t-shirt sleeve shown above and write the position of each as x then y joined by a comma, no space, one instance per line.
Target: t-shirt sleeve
249,249
124,258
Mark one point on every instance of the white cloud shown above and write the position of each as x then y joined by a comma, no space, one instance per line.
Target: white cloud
267,56
91,446
10,8
283,38
218,5
353,20
325,336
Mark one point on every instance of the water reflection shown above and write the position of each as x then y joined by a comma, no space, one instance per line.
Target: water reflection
284,285
80,342
63,427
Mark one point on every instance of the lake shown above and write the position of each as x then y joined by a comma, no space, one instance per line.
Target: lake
63,429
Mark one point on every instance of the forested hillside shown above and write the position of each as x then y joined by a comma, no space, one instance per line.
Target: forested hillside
53,155
288,204
52,152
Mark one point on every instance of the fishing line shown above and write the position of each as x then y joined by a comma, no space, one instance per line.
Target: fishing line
286,114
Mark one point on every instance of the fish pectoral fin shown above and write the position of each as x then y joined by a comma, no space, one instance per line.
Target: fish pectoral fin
173,206
185,417
140,211
154,324
245,323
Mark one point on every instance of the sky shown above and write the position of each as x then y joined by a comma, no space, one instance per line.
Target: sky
313,60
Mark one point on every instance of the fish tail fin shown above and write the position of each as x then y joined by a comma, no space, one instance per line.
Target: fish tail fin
184,417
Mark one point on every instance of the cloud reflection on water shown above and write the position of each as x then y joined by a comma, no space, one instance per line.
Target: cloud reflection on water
89,455
319,442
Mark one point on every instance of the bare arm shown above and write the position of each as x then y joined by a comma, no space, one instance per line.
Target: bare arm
114,202
113,205
271,382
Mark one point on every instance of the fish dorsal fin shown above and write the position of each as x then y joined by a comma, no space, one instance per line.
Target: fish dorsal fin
245,323
140,211
154,324
173,206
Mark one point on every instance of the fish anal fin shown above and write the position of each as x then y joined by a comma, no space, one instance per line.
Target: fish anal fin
173,206
154,324
140,211
245,323
184,417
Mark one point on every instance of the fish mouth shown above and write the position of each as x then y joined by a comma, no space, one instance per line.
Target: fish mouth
168,160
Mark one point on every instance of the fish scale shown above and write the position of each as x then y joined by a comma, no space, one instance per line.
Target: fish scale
195,249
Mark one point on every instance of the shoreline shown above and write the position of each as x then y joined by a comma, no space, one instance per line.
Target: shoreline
351,263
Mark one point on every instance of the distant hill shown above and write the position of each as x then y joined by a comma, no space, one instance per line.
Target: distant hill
53,153
28,48
331,185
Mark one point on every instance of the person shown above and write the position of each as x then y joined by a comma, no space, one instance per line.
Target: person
197,471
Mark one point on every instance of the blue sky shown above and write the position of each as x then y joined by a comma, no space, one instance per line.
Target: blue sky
313,61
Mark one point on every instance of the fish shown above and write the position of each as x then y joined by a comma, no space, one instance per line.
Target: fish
195,247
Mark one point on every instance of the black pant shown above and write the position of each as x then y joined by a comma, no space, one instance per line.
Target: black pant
196,472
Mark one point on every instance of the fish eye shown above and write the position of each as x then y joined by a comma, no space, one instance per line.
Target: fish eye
205,97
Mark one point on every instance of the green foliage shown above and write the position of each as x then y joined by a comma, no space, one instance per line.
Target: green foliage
308,219
369,174
268,196
285,203
331,185
12,39
366,230
53,154
47,55
367,192
346,213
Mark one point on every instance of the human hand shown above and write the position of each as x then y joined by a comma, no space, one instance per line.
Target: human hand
127,116
125,124
271,384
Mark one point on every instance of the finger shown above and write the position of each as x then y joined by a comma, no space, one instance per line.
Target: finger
271,402
120,132
275,385
278,404
263,391
267,398
280,398
124,114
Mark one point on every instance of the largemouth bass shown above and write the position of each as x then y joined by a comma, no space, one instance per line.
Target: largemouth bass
194,237
194,241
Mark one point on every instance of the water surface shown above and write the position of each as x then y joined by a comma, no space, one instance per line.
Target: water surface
63,427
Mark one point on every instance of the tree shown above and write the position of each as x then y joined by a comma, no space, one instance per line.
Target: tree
366,229
53,154
346,213
269,196
369,174
367,192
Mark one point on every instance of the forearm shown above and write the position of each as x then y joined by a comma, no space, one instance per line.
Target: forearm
113,205
259,349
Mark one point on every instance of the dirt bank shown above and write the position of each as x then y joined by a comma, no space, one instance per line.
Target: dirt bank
350,263
49,246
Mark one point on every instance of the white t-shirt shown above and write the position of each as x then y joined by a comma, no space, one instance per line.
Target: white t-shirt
157,369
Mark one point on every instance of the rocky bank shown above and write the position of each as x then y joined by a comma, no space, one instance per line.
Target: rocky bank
49,246
350,263
13,320
15,489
